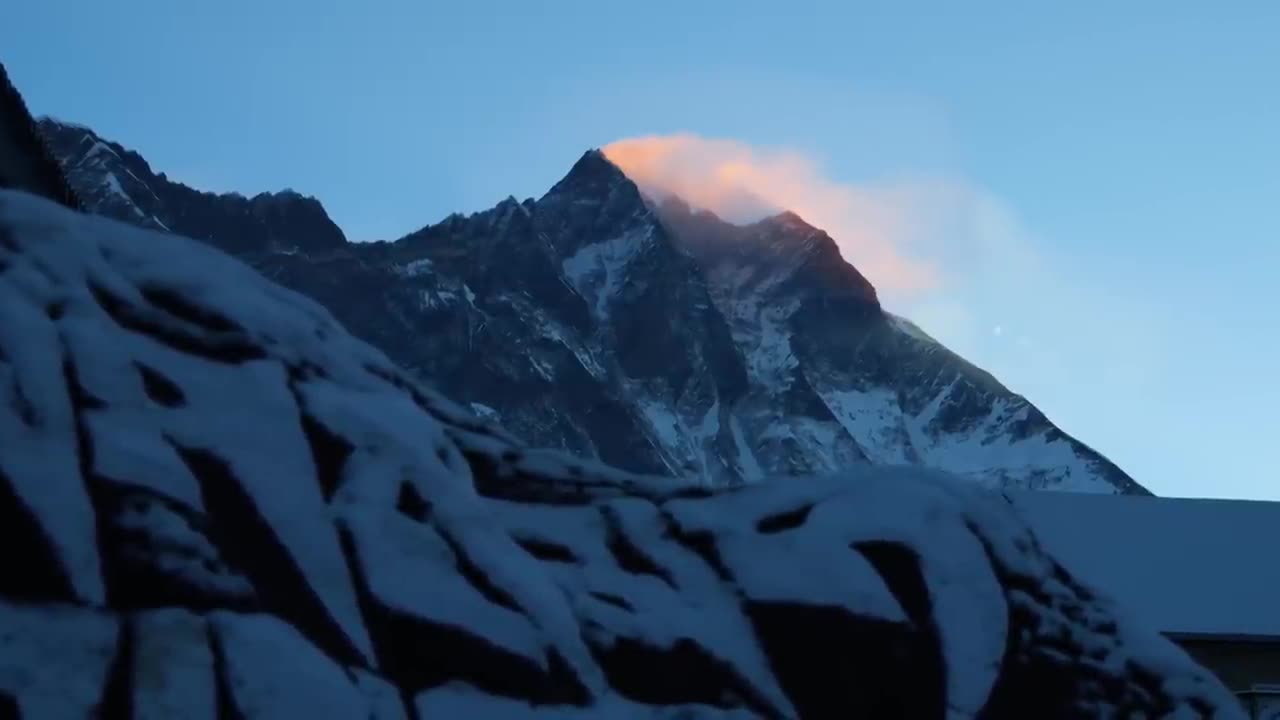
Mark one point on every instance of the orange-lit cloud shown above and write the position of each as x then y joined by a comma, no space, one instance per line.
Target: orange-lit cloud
874,226
955,258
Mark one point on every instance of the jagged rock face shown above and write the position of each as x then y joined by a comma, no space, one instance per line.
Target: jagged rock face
228,507
815,338
25,163
644,335
582,319
119,183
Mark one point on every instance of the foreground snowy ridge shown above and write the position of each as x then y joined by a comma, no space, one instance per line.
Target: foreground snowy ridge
216,503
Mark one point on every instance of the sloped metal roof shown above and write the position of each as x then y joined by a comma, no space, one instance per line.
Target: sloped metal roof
1187,567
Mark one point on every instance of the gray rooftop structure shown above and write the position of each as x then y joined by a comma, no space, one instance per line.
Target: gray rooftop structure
1205,573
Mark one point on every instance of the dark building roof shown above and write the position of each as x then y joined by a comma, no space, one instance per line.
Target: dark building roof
1191,568
25,162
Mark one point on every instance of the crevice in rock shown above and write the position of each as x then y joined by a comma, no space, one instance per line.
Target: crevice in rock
701,543
683,673
789,520
870,667
137,563
181,307
329,453
477,577
615,600
31,569
219,347
227,707
627,554
485,474
692,493
82,401
546,550
162,390
248,542
117,692
561,676
410,502
417,654
420,654
371,611
899,567
409,705
385,648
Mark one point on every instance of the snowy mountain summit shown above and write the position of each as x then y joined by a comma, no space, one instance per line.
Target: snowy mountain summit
218,504
644,334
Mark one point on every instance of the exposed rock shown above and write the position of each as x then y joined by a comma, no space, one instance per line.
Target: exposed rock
648,336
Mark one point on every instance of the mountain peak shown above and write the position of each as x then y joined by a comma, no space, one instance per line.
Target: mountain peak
593,168
596,188
790,220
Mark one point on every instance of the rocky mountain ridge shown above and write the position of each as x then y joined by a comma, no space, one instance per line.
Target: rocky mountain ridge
644,334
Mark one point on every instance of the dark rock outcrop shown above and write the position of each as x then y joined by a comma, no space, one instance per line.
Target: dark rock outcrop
118,183
25,162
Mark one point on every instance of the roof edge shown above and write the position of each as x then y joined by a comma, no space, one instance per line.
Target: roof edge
1244,638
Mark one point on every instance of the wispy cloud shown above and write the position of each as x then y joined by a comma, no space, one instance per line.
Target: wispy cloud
951,255
874,226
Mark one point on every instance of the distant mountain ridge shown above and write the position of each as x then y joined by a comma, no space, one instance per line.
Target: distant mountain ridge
119,183
649,335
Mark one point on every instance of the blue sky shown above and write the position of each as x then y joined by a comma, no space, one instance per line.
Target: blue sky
1113,258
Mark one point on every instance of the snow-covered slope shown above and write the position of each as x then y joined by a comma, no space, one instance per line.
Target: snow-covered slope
653,338
228,507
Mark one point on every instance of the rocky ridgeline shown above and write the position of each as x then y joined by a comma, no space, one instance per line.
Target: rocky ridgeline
646,335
